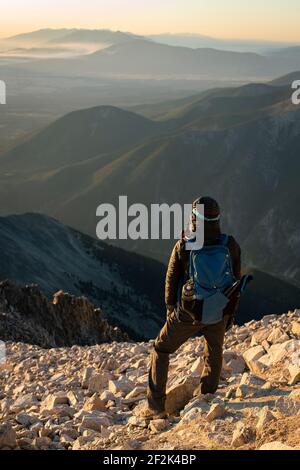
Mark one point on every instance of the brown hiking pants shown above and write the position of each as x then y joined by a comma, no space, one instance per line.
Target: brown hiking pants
178,328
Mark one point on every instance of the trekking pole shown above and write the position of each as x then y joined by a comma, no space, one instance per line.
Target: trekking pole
238,286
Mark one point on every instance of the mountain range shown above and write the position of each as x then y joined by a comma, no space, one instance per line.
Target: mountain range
107,53
239,145
128,288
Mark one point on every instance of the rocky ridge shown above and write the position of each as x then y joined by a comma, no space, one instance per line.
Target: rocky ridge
89,397
26,315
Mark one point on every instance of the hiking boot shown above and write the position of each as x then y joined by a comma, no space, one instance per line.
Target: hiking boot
150,414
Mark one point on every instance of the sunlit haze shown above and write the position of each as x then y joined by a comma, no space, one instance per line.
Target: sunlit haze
273,20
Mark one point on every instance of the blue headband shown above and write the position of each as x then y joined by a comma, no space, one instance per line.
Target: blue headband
206,219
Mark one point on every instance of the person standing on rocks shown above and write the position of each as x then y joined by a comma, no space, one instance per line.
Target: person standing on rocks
181,324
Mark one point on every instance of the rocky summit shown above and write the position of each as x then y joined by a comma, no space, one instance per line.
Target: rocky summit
90,397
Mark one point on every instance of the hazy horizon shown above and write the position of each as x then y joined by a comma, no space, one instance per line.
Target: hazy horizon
228,20
160,33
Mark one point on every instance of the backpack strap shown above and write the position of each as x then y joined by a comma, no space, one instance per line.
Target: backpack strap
224,239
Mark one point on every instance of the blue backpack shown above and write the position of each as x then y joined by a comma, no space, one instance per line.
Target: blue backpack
210,274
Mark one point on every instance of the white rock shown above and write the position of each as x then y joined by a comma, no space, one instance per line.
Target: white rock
265,416
192,414
276,445
136,392
259,336
198,366
180,394
295,374
99,382
87,374
252,355
95,422
295,328
52,400
158,425
137,421
123,386
217,410
288,405
107,395
7,436
277,336
24,402
26,419
240,435
94,403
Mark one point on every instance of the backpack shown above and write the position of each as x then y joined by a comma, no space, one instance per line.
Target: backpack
210,275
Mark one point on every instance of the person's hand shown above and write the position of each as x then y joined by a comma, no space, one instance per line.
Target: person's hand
170,310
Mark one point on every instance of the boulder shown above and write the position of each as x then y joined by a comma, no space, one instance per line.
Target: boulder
26,419
217,410
295,374
158,425
234,362
275,445
42,443
265,416
94,403
288,405
7,437
259,336
198,366
243,391
24,402
180,394
295,328
87,374
137,421
252,355
73,398
196,403
192,415
122,386
52,400
98,382
251,380
136,392
107,396
277,336
95,421
280,351
241,435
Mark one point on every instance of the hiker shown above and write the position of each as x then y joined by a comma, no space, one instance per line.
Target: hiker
181,325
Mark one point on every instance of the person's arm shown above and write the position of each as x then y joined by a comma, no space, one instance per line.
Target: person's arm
173,277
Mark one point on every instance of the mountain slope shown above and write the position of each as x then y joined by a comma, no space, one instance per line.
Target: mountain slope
79,136
38,249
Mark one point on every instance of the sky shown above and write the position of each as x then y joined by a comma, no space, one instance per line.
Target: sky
275,20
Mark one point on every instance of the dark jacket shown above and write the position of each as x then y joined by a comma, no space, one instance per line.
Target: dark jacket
178,271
